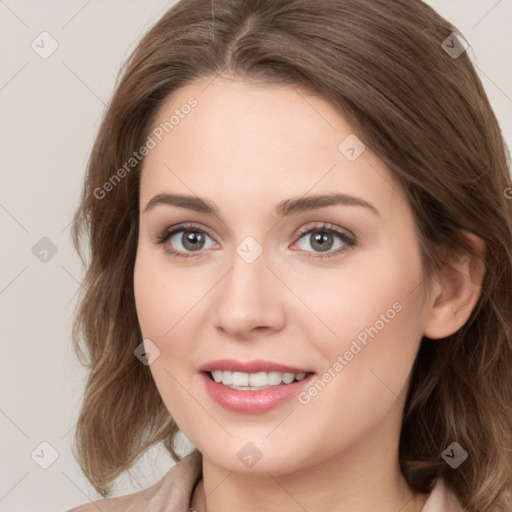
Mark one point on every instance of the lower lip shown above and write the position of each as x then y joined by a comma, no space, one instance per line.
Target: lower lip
252,401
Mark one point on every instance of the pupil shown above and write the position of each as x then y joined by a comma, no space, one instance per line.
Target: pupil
323,241
193,240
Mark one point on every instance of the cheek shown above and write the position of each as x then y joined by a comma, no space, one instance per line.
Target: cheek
376,291
376,313
162,299
163,295
149,292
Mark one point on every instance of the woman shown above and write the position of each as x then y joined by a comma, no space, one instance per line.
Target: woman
301,258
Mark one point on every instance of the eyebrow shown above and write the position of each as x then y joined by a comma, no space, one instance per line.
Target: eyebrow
284,208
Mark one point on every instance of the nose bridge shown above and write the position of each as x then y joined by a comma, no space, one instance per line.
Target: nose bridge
248,296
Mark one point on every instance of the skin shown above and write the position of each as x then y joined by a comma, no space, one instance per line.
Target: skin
247,147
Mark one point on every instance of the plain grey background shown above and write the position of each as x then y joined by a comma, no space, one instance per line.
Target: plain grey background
50,110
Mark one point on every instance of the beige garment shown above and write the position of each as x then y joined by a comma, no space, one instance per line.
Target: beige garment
173,493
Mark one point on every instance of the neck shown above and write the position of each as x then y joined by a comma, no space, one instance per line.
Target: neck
362,478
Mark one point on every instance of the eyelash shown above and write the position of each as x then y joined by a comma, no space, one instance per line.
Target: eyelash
349,241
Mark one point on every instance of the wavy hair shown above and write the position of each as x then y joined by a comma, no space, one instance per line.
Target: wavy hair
386,67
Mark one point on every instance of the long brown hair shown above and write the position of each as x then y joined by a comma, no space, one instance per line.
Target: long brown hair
422,110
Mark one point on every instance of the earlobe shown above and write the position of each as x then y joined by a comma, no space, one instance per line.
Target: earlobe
456,291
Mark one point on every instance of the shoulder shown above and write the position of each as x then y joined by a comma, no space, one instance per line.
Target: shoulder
172,492
442,499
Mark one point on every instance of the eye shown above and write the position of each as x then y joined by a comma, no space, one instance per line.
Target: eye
184,240
189,240
323,239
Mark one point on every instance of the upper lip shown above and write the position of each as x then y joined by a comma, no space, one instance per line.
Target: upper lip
254,366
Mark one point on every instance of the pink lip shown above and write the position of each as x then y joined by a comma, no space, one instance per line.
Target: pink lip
254,366
253,402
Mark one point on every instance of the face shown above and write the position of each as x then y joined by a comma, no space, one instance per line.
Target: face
268,271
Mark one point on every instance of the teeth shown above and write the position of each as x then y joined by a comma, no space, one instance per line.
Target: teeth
288,378
257,380
240,380
274,378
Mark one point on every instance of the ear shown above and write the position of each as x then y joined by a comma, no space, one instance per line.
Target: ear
456,291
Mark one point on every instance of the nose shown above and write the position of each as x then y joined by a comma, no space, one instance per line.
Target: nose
248,301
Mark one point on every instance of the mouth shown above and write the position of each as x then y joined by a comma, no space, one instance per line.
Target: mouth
243,381
253,393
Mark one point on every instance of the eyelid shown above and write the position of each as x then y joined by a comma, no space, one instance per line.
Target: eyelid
348,238
163,236
327,226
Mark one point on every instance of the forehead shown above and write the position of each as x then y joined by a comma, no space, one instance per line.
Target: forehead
232,139
241,118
